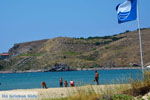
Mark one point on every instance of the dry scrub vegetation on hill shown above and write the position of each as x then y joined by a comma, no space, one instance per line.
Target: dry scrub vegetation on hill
120,50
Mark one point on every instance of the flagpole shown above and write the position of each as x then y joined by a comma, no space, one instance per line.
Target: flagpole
140,38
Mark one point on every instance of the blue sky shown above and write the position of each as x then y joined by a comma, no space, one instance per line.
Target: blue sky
28,20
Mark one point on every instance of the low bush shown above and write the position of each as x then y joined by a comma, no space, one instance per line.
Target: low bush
140,87
122,97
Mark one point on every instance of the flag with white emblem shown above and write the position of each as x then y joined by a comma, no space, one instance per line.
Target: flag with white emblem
127,11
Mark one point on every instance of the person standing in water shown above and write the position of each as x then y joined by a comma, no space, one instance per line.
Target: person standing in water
61,82
43,84
97,77
72,83
66,84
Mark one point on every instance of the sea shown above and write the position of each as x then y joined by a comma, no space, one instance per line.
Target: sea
31,80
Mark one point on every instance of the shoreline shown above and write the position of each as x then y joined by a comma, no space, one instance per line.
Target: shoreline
112,68
78,69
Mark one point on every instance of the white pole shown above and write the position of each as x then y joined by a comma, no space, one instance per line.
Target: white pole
140,38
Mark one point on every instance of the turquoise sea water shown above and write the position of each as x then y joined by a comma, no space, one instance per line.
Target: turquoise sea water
32,80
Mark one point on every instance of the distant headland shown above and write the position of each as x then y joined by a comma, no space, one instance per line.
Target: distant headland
64,53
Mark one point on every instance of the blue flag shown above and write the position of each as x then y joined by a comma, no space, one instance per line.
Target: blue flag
127,11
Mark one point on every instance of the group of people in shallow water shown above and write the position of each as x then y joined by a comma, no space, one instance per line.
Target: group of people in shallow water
72,83
61,84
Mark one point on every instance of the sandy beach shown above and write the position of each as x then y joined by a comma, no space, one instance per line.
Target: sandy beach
40,94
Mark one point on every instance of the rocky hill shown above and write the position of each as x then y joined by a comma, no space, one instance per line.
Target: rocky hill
120,50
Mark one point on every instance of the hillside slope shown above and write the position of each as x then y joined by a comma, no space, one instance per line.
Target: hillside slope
120,50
